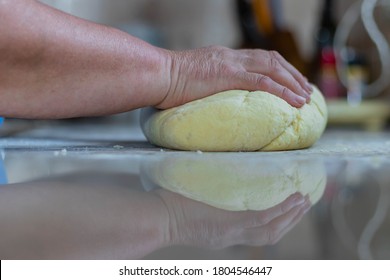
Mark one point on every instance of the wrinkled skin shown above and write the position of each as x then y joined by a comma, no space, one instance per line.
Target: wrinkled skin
199,73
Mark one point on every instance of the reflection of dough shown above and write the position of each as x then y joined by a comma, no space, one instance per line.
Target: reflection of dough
238,120
239,184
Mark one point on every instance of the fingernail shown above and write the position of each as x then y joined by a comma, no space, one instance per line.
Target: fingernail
309,87
307,205
306,208
308,98
298,199
300,100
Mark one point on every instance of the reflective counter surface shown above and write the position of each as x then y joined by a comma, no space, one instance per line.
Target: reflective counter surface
91,192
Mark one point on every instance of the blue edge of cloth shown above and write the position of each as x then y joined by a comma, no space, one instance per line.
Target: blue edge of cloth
3,173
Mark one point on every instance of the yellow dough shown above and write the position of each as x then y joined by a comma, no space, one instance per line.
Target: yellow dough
238,183
237,120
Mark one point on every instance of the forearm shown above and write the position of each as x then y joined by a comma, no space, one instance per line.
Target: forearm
53,65
80,216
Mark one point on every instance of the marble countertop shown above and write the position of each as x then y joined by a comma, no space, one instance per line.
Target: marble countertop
78,190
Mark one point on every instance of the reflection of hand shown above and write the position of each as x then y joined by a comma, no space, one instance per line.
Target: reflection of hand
195,223
199,73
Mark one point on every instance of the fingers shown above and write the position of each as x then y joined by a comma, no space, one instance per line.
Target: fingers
272,232
252,81
278,228
259,218
287,81
293,71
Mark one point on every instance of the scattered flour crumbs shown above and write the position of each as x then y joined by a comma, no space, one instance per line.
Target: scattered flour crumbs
63,152
118,147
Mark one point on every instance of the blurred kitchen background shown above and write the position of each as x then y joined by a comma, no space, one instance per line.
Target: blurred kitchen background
342,46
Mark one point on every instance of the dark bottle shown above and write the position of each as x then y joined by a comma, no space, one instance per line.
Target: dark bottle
324,62
327,27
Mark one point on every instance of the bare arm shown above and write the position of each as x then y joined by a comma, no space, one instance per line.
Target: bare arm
54,65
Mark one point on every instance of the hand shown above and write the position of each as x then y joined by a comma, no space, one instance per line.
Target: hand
198,73
197,224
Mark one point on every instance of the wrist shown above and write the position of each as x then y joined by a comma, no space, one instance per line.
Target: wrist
162,80
173,62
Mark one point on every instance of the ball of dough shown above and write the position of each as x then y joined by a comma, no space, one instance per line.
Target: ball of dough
238,183
237,120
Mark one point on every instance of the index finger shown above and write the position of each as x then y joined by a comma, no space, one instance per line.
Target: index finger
259,218
293,71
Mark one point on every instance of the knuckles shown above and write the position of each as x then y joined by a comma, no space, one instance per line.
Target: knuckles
275,55
263,82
